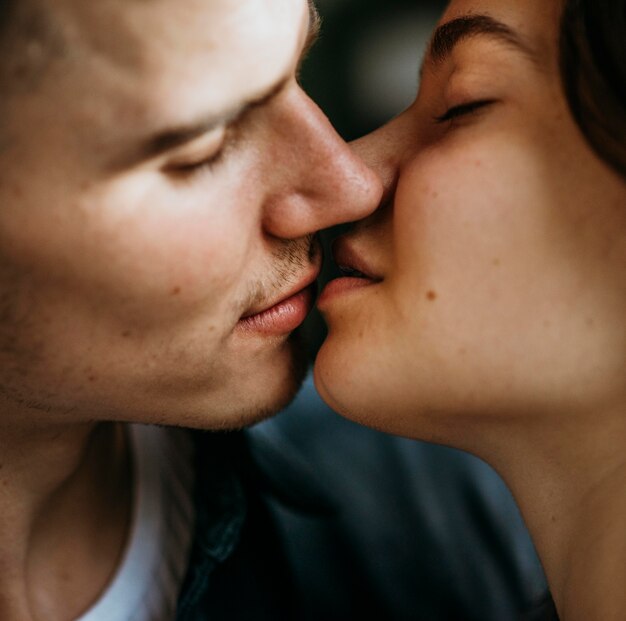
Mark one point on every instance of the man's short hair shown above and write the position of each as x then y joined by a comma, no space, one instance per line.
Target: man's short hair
29,40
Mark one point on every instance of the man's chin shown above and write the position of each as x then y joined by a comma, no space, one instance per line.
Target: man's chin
287,390
262,400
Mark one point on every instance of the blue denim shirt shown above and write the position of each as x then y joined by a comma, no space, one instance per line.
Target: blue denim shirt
308,517
220,514
237,569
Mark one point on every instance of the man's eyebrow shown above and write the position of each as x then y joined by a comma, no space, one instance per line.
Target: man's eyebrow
172,138
169,139
448,35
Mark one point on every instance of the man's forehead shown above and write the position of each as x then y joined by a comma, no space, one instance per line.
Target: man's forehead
243,87
150,30
226,57
170,61
221,42
124,29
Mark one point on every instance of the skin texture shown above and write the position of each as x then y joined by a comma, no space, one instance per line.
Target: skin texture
123,277
495,322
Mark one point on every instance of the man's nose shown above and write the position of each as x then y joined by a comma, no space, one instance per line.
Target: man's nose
319,180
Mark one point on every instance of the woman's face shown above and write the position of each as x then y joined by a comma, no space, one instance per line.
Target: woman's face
496,271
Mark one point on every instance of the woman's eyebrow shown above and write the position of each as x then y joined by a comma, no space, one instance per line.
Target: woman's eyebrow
448,35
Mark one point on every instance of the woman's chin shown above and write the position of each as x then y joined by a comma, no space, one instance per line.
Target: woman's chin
358,392
368,387
338,380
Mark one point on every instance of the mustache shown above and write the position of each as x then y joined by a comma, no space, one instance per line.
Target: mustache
294,255
289,261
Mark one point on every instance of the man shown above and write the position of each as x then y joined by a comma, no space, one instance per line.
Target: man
162,178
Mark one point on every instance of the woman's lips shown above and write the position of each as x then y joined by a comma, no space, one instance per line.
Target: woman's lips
356,273
339,286
284,316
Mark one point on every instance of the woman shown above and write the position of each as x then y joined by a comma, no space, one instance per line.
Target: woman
484,305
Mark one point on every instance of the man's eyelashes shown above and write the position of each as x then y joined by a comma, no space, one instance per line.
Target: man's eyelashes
463,110
192,168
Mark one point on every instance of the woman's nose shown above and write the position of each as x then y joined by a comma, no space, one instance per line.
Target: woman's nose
381,151
321,181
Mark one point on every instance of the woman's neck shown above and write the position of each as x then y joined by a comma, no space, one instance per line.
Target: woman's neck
569,478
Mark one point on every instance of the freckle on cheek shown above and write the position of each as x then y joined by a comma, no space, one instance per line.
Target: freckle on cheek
496,262
175,290
126,334
431,296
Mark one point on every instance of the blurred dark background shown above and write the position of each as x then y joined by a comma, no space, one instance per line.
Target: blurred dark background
364,68
362,72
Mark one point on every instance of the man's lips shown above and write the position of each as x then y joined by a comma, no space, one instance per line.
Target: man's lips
305,282
284,314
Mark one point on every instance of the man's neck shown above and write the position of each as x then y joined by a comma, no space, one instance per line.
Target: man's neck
65,499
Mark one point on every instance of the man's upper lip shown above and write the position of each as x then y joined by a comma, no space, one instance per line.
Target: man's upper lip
346,256
302,284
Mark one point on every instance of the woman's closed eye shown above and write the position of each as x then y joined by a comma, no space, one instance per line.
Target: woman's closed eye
465,109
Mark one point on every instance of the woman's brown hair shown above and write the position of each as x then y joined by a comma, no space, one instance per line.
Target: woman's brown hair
593,66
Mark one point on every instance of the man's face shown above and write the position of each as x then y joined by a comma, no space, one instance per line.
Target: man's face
162,176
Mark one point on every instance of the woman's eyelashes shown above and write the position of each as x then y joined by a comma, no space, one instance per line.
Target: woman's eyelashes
463,110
